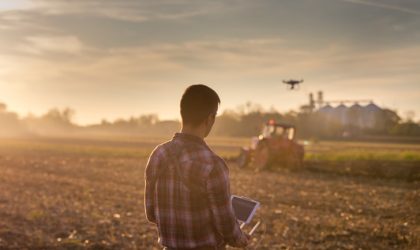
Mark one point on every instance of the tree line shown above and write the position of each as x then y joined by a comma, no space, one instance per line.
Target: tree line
245,121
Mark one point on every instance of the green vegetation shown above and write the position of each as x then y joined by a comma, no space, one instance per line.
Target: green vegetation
91,149
364,155
227,147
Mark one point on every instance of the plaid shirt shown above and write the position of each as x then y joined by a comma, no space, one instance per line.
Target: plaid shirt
187,195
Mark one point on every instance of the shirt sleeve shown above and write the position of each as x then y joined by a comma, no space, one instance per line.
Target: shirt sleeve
149,187
224,219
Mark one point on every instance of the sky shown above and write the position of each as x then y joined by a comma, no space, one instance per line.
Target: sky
115,59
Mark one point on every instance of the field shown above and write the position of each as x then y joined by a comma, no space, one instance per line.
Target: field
88,194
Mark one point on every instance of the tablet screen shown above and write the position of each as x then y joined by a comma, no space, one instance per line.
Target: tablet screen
243,208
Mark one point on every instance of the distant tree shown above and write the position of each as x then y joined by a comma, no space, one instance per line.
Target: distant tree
105,122
165,128
149,119
58,117
10,124
390,119
409,116
408,128
3,107
227,124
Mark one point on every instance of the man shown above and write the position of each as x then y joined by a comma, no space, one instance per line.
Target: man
187,192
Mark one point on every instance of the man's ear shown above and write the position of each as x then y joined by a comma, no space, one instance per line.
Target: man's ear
209,119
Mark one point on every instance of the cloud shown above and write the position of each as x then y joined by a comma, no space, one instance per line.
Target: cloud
135,76
13,5
51,44
385,6
124,23
223,60
106,48
129,10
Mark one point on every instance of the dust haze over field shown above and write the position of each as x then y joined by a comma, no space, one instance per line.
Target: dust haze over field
88,88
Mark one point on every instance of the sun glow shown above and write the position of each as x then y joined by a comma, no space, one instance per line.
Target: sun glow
13,5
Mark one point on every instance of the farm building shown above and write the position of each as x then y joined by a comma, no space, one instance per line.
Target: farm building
349,113
356,115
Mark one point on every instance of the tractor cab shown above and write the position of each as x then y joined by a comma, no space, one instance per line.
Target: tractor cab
278,130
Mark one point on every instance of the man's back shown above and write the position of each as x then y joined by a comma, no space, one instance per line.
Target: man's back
188,196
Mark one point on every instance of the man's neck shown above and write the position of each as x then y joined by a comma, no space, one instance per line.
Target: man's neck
193,131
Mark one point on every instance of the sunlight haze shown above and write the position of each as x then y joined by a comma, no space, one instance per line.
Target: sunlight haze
111,59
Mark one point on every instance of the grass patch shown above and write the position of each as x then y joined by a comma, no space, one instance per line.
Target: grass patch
35,215
363,155
361,151
29,146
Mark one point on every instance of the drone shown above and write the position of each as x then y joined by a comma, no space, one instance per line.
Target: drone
292,83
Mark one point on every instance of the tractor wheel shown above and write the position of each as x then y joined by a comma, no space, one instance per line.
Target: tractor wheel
299,155
244,158
295,160
261,157
295,163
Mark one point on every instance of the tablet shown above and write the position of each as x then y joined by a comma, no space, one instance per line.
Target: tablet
244,208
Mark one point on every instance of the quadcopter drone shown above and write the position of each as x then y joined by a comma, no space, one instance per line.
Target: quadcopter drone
292,83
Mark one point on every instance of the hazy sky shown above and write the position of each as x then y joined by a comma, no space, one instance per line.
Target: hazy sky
110,59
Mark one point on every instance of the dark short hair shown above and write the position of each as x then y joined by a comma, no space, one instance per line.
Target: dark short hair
197,103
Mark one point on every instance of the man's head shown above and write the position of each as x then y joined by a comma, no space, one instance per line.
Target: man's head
199,106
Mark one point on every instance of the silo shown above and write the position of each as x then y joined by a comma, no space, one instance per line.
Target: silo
355,115
327,110
371,114
340,114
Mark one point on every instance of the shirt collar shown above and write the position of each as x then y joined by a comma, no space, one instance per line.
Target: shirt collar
189,137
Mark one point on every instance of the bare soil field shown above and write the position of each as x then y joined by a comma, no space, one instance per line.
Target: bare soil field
64,194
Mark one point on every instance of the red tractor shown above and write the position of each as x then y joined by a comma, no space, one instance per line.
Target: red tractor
276,145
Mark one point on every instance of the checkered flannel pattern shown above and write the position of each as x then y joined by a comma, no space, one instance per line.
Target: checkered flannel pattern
187,195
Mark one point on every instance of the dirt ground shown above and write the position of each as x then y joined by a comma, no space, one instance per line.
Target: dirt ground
85,201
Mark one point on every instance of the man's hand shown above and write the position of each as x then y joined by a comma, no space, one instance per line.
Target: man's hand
245,241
